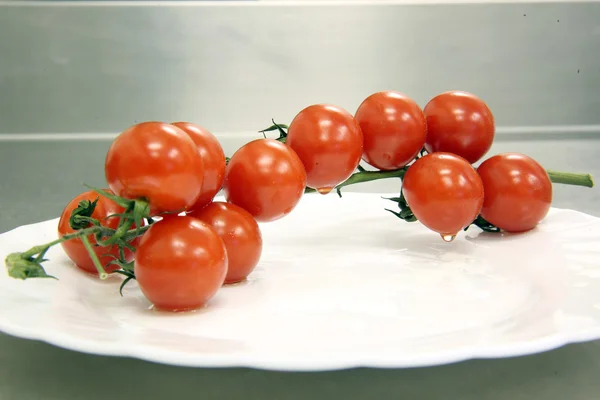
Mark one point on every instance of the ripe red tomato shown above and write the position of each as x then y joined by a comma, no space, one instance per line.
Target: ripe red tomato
444,192
460,123
518,192
329,142
239,232
266,178
158,162
180,263
393,127
213,161
75,249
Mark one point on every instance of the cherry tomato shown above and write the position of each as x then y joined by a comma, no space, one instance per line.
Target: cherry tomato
266,178
444,192
329,142
460,123
75,249
180,263
239,232
158,162
213,161
393,127
518,192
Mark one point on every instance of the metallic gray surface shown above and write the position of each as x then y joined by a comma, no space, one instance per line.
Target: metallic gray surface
101,68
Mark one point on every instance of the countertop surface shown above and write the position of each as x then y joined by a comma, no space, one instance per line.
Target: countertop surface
38,178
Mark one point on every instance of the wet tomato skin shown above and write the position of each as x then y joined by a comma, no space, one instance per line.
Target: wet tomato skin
240,233
518,191
156,161
393,127
75,249
461,123
213,161
180,263
444,192
266,178
329,142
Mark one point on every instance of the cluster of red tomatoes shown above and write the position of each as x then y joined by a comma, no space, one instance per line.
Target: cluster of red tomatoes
199,244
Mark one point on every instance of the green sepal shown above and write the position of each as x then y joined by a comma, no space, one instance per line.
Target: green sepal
19,267
123,202
484,225
81,216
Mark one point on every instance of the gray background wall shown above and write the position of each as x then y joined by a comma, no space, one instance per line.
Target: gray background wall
101,66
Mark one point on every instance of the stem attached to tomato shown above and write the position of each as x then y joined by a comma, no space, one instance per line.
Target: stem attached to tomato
566,178
28,264
88,246
367,176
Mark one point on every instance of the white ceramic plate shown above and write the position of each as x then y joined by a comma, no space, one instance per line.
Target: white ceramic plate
342,283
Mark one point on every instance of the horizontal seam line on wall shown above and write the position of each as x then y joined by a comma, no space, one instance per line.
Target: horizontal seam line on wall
503,133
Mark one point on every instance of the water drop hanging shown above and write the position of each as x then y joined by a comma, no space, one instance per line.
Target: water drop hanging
448,238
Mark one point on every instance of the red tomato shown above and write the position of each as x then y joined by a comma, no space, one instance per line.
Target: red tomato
329,142
180,263
518,192
444,192
393,127
459,123
158,162
239,232
266,178
213,161
74,248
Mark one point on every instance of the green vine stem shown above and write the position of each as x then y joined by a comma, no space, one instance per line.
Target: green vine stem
569,178
28,264
566,178
88,246
367,176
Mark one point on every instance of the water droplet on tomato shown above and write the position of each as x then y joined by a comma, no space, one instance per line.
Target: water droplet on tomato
448,238
324,190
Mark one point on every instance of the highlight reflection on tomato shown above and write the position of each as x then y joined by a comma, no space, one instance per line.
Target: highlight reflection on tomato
329,142
393,127
460,123
158,162
266,178
240,233
213,161
444,192
180,263
518,191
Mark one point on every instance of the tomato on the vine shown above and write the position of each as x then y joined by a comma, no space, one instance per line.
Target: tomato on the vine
444,192
240,233
460,123
213,161
180,263
329,142
158,162
518,191
104,212
393,127
266,178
